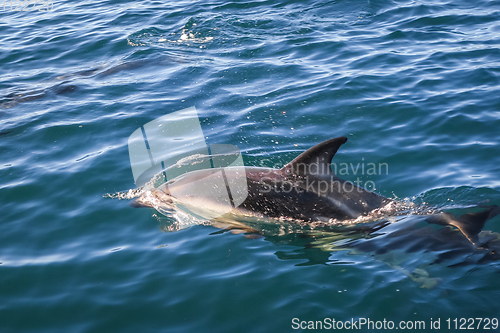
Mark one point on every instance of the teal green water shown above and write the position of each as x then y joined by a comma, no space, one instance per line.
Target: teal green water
414,84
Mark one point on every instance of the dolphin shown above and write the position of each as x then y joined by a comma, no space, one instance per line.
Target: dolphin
304,190
58,89
99,72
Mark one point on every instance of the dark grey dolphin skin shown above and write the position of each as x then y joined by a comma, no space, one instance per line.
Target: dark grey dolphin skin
306,189
14,99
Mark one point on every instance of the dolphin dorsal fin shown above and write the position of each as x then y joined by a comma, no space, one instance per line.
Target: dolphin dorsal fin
316,160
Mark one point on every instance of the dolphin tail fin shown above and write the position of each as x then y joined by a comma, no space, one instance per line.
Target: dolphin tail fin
469,224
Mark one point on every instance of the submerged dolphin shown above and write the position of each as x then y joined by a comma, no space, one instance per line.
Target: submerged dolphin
65,87
305,189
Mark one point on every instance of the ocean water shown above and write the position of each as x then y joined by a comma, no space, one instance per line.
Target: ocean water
413,84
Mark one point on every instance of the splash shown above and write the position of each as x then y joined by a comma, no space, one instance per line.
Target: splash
188,36
192,160
135,193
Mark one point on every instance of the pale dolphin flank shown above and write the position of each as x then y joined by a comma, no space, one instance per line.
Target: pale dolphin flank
304,189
